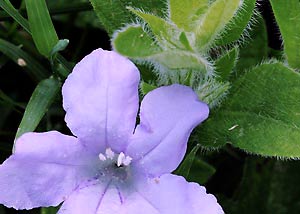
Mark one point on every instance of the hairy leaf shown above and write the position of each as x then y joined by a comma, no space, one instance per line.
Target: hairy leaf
255,50
187,13
134,43
182,60
166,33
113,15
238,23
146,87
218,15
287,14
226,63
261,116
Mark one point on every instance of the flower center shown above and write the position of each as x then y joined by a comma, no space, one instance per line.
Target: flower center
115,165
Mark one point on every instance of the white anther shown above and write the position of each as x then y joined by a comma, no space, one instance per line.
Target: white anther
102,157
123,160
120,159
109,153
127,161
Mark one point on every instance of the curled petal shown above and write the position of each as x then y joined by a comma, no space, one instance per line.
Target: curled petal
100,97
44,169
168,115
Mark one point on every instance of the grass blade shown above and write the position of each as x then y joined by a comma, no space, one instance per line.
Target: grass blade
24,23
42,97
186,165
41,26
33,67
9,8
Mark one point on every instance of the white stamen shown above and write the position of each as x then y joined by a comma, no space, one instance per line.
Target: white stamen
109,153
127,160
102,157
120,159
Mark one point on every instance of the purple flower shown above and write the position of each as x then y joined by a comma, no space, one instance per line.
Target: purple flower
111,166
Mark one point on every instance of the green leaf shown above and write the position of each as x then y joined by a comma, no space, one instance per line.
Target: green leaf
218,15
256,50
226,63
2,210
166,33
49,210
9,8
285,189
186,13
254,186
147,73
200,171
67,66
182,60
274,181
184,40
58,8
24,23
287,14
42,97
134,43
212,91
238,23
5,113
6,100
146,87
60,46
113,15
185,166
261,115
42,29
34,68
